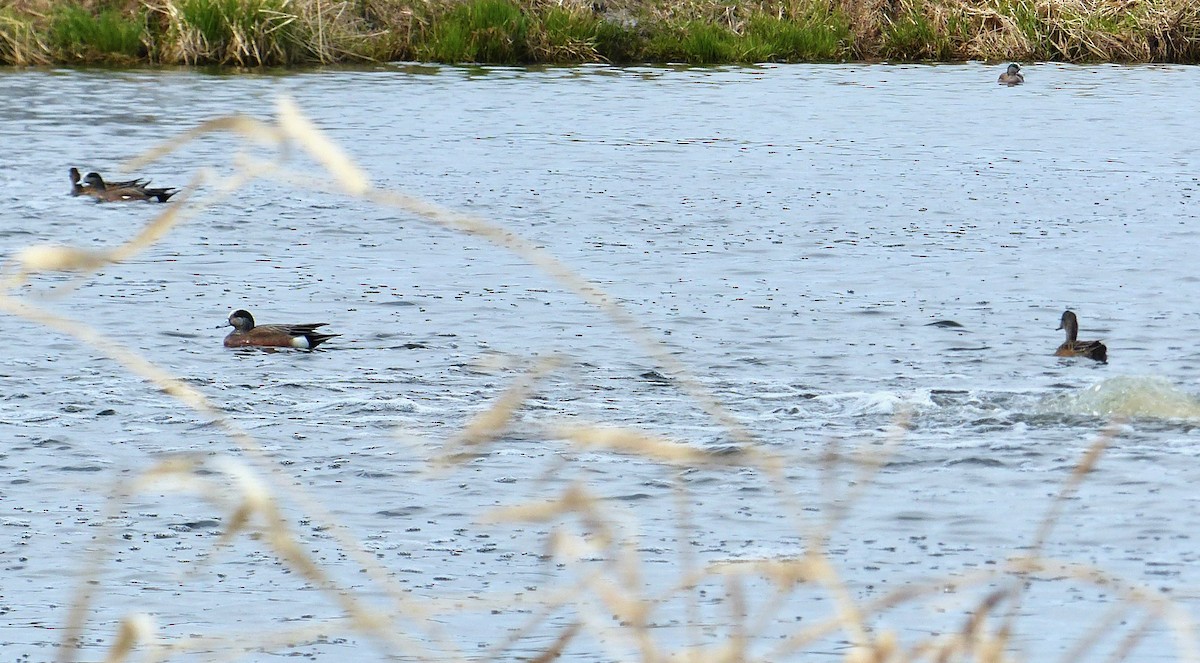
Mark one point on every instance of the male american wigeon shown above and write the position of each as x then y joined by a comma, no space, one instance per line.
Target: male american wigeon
1075,348
95,186
246,334
1013,76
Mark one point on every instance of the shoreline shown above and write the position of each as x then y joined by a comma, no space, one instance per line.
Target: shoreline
284,33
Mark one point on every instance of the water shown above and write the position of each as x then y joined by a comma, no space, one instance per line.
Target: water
787,234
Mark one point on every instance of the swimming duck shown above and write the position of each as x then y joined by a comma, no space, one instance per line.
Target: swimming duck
79,190
1013,76
95,186
246,334
1074,348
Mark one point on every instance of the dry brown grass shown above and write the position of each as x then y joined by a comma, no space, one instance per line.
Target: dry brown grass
317,31
1046,30
21,43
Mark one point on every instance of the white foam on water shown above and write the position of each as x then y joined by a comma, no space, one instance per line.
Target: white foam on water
1126,396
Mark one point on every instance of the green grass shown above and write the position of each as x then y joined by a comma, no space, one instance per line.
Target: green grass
706,43
694,42
764,38
911,36
491,31
286,32
208,19
814,37
1024,14
77,31
251,32
618,43
564,35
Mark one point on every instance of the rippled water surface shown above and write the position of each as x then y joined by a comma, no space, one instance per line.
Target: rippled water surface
789,235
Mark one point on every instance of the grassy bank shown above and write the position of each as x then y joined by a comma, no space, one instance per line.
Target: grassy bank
298,32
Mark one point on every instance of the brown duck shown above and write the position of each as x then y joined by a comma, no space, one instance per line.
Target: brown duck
1013,76
95,186
246,334
79,190
1076,348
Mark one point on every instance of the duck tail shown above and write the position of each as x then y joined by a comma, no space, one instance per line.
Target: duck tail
317,338
163,195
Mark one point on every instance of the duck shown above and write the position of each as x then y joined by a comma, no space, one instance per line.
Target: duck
1013,76
246,334
79,190
1075,348
95,186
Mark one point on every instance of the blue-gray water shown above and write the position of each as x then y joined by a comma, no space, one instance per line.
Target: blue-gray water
787,233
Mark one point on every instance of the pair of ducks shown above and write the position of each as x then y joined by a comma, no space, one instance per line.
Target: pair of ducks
1072,347
95,186
305,336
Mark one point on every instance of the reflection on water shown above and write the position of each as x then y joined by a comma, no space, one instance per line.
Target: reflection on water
789,233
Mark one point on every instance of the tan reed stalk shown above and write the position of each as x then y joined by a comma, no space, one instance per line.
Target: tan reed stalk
21,43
